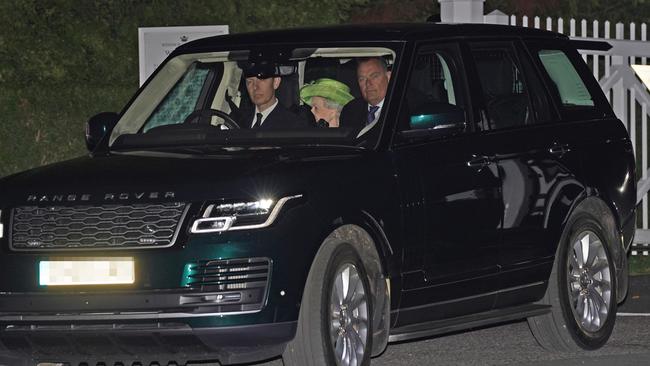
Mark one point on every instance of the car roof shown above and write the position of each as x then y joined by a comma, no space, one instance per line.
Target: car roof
367,32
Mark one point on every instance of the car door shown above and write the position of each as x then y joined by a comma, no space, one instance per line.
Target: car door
450,193
538,164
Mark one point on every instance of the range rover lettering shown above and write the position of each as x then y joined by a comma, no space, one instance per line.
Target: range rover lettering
319,193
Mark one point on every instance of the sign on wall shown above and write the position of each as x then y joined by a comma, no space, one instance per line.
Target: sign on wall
156,43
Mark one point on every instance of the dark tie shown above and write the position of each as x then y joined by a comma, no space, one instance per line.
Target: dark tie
258,120
371,113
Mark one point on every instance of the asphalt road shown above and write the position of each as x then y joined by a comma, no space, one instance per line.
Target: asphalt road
513,344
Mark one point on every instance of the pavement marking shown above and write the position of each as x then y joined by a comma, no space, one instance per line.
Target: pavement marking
633,314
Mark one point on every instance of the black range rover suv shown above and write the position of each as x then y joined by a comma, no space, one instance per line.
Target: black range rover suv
496,184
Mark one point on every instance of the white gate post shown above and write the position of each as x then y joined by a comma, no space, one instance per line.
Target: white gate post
461,11
619,91
497,17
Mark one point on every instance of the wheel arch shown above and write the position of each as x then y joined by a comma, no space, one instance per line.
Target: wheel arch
372,246
367,236
590,201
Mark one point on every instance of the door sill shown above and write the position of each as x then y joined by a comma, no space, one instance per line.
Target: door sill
422,330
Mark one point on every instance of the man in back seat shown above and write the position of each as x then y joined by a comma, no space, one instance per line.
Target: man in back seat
373,77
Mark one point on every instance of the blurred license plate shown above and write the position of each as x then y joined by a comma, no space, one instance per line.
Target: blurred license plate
86,271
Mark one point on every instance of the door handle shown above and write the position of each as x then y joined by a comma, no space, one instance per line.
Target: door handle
479,162
559,149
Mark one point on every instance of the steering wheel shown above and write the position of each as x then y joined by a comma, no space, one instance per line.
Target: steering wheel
209,112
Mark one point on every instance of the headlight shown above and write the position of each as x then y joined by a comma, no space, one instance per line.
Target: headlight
239,215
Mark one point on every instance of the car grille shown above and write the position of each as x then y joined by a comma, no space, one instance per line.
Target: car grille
229,274
96,227
228,285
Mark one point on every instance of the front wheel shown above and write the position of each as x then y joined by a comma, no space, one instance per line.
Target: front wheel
334,325
581,290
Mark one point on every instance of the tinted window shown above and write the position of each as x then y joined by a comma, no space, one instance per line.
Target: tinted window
433,100
568,84
504,90
568,80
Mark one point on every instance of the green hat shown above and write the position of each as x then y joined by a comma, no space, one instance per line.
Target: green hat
331,89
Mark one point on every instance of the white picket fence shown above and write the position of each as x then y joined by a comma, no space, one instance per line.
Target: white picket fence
627,94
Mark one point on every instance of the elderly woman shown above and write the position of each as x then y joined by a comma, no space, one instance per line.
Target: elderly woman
326,97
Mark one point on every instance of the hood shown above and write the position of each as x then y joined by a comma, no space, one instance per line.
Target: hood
141,177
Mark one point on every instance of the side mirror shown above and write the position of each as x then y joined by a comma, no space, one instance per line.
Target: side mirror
98,126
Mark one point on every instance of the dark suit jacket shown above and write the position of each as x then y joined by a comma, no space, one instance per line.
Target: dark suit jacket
354,114
280,118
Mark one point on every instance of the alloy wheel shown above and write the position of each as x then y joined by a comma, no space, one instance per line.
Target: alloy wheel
348,316
589,281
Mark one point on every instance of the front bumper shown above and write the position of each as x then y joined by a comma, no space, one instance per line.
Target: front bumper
154,305
130,343
171,312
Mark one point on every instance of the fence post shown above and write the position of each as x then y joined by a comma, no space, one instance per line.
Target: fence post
596,57
618,102
632,119
461,11
583,34
496,17
607,60
644,37
632,38
644,158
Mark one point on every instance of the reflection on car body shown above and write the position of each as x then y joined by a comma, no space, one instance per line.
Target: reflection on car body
493,182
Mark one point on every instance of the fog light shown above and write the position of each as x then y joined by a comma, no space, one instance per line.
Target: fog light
212,224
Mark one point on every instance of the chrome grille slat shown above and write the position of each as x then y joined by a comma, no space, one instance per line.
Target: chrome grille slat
229,274
96,227
214,269
235,273
228,279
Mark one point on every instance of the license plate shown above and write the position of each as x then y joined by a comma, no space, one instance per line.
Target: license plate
86,271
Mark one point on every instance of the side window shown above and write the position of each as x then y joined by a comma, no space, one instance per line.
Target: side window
181,100
504,91
571,90
433,98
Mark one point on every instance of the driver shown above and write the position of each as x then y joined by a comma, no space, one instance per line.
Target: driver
268,112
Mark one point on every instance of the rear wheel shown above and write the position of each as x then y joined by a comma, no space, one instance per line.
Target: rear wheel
334,325
581,290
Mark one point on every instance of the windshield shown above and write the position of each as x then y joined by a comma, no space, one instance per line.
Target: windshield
270,96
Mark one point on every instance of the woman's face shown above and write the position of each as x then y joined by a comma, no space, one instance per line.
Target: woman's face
320,111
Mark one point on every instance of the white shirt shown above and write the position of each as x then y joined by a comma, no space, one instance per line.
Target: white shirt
265,113
374,121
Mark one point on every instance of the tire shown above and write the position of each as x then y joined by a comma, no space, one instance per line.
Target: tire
581,292
326,329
